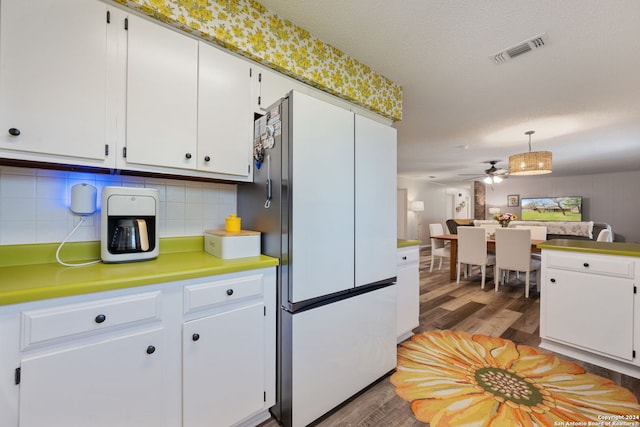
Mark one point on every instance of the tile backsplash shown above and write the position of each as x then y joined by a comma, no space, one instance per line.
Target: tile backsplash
34,205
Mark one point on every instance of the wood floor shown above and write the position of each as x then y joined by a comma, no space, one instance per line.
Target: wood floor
459,307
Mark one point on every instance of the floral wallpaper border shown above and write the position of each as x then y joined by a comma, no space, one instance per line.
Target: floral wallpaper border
250,29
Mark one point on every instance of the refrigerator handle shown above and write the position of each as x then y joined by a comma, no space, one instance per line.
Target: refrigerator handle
267,202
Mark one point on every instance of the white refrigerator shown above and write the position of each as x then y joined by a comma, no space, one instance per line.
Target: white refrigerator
323,196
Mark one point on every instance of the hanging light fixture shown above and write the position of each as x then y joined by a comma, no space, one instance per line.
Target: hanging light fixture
530,163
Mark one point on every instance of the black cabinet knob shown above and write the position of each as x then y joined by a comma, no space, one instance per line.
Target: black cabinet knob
553,280
207,158
14,132
586,265
151,349
195,337
404,258
229,292
100,318
187,155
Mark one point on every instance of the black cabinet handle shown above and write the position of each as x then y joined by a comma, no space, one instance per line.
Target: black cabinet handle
187,155
195,337
404,258
207,158
14,132
229,292
586,265
100,318
553,280
151,349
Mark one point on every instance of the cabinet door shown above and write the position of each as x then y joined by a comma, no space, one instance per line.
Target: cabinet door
162,90
376,193
590,311
225,119
408,291
53,65
224,367
272,86
111,383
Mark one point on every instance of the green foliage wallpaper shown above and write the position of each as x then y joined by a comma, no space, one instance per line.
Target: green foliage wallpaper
248,28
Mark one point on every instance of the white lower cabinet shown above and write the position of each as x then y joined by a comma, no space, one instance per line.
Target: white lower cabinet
226,343
188,353
115,382
408,281
589,308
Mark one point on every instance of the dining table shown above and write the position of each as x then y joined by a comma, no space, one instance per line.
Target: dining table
491,244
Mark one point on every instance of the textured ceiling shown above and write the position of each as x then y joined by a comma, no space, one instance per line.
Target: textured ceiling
580,92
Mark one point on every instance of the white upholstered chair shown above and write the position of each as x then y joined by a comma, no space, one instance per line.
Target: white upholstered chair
489,228
513,252
538,232
438,247
472,250
604,236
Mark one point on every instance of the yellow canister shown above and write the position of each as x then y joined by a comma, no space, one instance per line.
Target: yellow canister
232,223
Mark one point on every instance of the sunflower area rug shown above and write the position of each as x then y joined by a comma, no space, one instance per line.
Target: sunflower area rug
458,379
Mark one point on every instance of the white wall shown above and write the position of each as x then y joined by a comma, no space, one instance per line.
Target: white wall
435,200
612,198
34,205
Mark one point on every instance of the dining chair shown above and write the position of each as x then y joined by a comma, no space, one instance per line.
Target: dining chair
472,250
439,248
538,232
604,236
513,252
489,229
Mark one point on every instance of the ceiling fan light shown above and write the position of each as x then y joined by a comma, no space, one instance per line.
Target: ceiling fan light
497,180
488,180
530,163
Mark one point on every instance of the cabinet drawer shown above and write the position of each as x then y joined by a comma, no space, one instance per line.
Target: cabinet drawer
407,256
211,294
49,325
595,264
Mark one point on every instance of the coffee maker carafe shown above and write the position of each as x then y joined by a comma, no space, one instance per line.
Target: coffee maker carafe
129,224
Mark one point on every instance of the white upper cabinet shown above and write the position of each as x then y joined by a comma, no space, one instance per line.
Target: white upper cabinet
270,86
162,96
225,118
53,81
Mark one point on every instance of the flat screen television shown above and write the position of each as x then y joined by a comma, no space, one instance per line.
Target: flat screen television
551,209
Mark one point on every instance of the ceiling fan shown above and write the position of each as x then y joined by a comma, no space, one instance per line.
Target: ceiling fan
493,175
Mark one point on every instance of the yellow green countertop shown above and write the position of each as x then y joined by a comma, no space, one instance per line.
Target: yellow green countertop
607,248
30,272
404,243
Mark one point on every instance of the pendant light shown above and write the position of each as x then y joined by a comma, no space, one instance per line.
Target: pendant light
530,163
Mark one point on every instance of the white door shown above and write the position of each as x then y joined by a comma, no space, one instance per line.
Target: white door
322,187
162,91
117,382
225,118
53,62
376,194
223,367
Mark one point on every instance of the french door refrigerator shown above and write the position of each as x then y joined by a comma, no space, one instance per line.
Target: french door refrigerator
324,199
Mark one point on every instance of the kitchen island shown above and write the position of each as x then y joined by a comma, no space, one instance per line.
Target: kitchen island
590,308
180,340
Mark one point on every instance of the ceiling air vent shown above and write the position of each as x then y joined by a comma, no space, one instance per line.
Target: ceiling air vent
524,47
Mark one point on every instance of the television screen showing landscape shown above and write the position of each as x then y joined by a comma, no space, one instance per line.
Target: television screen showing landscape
552,209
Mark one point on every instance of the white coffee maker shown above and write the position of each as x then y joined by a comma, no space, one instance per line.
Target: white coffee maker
129,224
